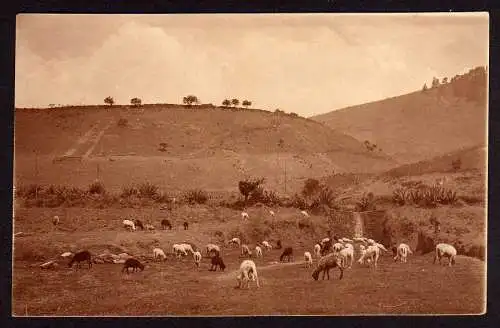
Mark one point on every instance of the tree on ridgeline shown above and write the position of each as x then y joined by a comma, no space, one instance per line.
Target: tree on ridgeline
235,102
109,101
246,103
135,102
226,103
190,99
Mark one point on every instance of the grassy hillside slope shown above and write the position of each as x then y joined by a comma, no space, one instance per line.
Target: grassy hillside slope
422,124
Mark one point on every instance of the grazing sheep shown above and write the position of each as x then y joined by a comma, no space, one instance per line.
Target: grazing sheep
370,241
271,212
346,254
158,253
217,262
360,239
55,220
244,215
179,250
362,250
288,252
345,240
337,247
149,227
326,263
278,244
267,245
317,250
212,248
66,254
80,257
235,241
129,225
197,258
166,224
305,214
258,251
138,224
245,251
324,241
308,259
402,253
247,272
379,245
445,250
372,252
134,264
186,225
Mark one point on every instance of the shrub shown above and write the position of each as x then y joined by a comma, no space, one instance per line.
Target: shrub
456,164
128,191
148,190
246,187
96,187
366,203
196,196
399,196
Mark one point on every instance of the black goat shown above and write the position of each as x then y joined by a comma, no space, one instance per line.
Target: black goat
166,224
217,261
288,252
80,257
186,225
278,244
326,247
138,224
134,264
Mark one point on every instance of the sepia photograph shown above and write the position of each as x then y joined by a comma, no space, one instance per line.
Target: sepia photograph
250,164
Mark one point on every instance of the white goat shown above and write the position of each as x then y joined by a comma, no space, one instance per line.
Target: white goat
244,215
129,225
402,252
158,253
258,251
247,272
304,213
317,250
267,245
245,250
372,252
308,259
445,250
197,258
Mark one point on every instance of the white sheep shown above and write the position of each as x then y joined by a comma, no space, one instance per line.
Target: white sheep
179,250
370,241
402,252
258,251
379,245
267,245
325,240
304,213
247,272
129,225
245,250
66,254
244,215
337,247
235,241
197,258
372,252
359,239
158,253
346,254
212,248
187,247
317,250
55,220
271,212
345,240
308,261
445,250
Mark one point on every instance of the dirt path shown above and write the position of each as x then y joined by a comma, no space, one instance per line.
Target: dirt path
87,142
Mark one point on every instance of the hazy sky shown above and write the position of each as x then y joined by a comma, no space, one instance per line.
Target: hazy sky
303,63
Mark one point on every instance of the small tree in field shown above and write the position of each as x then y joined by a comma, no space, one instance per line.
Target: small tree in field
246,103
248,186
190,99
226,103
136,101
109,101
235,102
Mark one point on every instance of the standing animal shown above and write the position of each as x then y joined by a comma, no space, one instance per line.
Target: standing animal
308,261
138,224
258,251
347,254
372,252
445,250
317,250
244,215
212,248
180,250
337,247
267,245
159,254
217,262
129,225
402,253
80,257
245,251
288,253
197,258
186,225
326,247
326,263
247,272
305,214
55,220
236,241
278,244
134,264
271,212
166,224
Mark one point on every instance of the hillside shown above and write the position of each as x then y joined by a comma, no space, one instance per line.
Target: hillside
213,146
422,124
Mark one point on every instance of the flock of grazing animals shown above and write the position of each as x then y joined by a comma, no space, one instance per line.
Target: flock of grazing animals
330,253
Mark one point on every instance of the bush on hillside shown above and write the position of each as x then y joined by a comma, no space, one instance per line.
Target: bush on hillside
366,203
96,187
248,186
128,191
425,196
195,196
148,190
